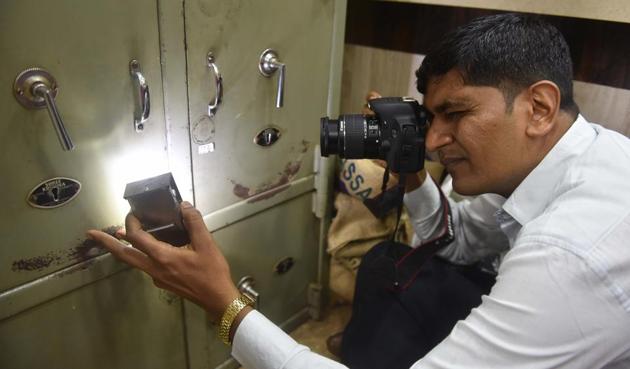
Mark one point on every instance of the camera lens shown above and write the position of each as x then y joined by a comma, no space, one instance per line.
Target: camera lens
352,136
329,137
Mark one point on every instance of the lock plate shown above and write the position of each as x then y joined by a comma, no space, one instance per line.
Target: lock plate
54,193
267,136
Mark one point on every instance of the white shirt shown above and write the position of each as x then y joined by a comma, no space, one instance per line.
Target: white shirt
562,295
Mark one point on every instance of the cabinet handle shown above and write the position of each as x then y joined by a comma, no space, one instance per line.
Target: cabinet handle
213,105
35,88
268,65
142,98
246,287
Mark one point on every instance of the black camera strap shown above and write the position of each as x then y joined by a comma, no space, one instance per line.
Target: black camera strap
400,187
407,265
398,265
387,200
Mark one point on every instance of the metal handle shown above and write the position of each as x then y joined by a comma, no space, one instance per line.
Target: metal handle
213,105
280,94
41,90
246,287
142,99
268,65
35,88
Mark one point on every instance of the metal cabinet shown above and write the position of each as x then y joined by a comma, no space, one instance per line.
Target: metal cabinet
87,47
237,33
63,303
256,246
258,195
118,322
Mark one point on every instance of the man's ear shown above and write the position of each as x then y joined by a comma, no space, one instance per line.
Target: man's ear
545,104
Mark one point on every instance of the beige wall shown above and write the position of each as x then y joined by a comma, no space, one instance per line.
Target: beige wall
392,74
609,10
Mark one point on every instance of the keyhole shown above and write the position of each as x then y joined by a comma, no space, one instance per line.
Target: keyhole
55,194
267,136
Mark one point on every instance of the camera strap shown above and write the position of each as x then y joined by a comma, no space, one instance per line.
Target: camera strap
400,187
398,265
407,266
386,200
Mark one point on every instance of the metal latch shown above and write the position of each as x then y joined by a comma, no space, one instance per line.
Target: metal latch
246,287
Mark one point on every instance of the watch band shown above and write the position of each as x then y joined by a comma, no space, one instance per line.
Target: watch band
230,314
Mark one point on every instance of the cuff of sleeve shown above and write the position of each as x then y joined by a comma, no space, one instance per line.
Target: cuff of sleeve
258,343
424,201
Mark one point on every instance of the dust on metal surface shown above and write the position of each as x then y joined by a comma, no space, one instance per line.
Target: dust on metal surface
86,249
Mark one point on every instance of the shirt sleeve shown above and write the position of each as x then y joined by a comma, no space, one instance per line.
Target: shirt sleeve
477,233
260,344
548,309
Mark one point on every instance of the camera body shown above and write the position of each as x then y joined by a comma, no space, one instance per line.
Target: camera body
395,133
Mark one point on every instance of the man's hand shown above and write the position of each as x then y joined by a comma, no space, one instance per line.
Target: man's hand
415,180
199,273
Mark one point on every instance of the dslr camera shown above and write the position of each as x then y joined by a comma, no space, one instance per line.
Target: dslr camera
395,133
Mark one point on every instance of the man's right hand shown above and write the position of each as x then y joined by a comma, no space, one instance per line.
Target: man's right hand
199,273
415,180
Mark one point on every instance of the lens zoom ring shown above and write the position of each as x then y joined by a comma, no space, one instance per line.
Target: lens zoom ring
354,136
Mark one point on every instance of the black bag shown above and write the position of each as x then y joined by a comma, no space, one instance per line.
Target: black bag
394,325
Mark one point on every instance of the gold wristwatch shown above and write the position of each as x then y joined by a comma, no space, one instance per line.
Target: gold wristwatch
230,314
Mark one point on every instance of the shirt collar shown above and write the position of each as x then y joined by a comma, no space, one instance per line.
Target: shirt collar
537,190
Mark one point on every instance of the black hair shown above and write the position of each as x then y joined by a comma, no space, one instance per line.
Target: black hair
507,51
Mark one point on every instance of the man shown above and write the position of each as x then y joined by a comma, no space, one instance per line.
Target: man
504,122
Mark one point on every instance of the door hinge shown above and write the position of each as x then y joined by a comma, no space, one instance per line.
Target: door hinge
322,189
315,300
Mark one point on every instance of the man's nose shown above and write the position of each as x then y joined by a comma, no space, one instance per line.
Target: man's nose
438,136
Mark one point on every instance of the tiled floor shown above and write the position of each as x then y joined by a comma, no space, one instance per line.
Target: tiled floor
314,333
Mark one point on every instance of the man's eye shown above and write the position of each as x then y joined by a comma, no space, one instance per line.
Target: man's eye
454,115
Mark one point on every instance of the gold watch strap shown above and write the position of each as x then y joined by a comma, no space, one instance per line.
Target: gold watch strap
230,314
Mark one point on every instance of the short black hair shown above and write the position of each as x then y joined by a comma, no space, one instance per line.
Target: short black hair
507,51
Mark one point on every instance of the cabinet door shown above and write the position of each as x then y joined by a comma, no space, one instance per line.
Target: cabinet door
278,249
87,47
51,312
258,198
237,32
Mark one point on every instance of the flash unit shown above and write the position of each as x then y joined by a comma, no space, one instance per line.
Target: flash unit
155,202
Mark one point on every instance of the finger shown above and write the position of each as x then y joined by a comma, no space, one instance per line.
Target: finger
139,238
380,163
121,251
121,234
132,223
196,227
372,95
